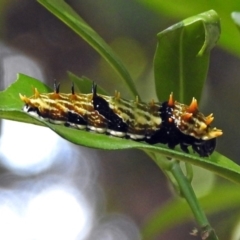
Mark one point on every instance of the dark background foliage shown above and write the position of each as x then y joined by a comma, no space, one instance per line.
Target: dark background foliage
132,183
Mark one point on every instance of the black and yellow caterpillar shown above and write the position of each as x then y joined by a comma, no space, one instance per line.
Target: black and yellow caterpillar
170,122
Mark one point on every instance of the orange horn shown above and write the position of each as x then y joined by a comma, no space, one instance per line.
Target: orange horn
209,119
193,106
186,116
170,100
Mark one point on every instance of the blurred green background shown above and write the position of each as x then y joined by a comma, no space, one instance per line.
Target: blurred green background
133,184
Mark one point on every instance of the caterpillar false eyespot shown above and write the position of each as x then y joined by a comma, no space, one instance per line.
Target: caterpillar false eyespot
170,122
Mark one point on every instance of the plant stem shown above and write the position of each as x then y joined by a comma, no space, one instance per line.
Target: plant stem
189,172
187,192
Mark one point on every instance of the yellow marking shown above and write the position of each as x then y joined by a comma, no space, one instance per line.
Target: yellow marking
36,93
136,99
142,118
117,95
152,103
24,98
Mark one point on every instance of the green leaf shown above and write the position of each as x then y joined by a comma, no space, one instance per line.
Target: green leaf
177,211
182,56
66,14
11,105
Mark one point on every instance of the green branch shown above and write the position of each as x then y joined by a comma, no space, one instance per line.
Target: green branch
186,190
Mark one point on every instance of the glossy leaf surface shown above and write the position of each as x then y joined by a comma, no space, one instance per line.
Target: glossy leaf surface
182,56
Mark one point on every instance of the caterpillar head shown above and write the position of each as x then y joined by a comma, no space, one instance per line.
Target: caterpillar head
191,122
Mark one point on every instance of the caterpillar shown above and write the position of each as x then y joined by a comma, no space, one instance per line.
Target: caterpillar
170,122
